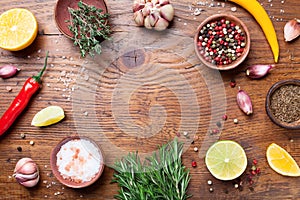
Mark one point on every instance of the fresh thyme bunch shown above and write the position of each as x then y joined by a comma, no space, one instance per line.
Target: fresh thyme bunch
89,28
161,177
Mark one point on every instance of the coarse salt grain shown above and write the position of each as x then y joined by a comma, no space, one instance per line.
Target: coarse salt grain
78,160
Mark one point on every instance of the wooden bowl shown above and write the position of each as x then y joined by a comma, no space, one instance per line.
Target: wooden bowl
62,15
240,59
292,125
67,181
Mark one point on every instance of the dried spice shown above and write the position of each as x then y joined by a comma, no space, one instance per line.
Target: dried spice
285,103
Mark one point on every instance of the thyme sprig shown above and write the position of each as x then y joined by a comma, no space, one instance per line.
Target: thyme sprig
89,27
162,176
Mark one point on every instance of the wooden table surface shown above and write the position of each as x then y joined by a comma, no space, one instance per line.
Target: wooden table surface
145,89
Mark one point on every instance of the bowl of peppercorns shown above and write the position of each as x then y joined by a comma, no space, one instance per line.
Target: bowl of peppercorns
222,42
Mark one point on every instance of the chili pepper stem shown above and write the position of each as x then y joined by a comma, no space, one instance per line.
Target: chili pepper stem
37,78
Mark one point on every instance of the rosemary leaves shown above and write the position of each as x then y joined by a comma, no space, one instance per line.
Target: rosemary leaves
89,28
161,176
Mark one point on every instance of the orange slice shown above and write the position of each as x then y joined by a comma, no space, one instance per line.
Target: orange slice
18,29
281,161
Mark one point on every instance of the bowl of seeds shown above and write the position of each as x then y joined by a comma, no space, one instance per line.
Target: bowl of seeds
283,103
222,42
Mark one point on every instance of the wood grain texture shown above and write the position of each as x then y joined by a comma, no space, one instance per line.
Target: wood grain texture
145,89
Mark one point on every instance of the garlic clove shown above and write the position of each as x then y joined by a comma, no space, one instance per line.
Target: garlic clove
161,24
167,12
30,183
153,19
291,30
164,2
138,5
26,172
147,22
139,18
258,71
8,71
244,102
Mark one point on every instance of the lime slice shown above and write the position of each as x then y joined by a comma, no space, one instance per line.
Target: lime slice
281,161
226,160
48,116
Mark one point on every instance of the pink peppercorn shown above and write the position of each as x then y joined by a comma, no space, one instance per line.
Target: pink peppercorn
194,163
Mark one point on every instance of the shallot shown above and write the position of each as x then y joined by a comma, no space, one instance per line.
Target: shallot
156,14
258,71
7,71
26,172
244,102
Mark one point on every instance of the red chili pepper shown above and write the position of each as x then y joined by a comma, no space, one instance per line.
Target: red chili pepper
29,88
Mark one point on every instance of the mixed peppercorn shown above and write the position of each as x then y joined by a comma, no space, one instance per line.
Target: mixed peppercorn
221,42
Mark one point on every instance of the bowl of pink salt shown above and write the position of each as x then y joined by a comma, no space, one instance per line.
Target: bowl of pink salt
77,162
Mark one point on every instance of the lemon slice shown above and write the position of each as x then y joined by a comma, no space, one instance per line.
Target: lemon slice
226,160
281,161
18,29
48,116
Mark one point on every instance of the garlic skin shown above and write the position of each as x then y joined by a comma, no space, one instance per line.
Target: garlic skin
244,102
291,30
153,14
8,71
258,71
26,172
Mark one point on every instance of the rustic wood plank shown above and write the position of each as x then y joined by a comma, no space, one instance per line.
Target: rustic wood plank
139,104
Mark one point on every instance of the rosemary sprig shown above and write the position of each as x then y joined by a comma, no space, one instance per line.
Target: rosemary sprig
89,27
162,176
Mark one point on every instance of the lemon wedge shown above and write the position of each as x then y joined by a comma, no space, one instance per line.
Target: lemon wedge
281,161
48,116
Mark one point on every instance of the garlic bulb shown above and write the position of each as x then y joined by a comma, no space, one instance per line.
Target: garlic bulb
156,14
26,172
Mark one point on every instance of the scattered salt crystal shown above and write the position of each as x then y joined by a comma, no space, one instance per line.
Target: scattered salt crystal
48,84
63,57
86,113
39,51
233,9
45,181
51,65
63,73
86,77
185,23
78,160
195,149
28,56
8,88
38,58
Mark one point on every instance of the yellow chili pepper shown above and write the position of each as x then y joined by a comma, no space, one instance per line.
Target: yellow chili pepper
261,16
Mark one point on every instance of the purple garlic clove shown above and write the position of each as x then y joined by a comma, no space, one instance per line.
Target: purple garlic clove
258,71
8,71
244,102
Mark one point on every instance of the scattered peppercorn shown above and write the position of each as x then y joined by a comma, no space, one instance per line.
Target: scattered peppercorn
219,124
19,149
194,163
232,83
22,136
209,182
224,117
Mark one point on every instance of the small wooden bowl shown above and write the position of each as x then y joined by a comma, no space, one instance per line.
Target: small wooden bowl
62,15
292,125
68,182
244,29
